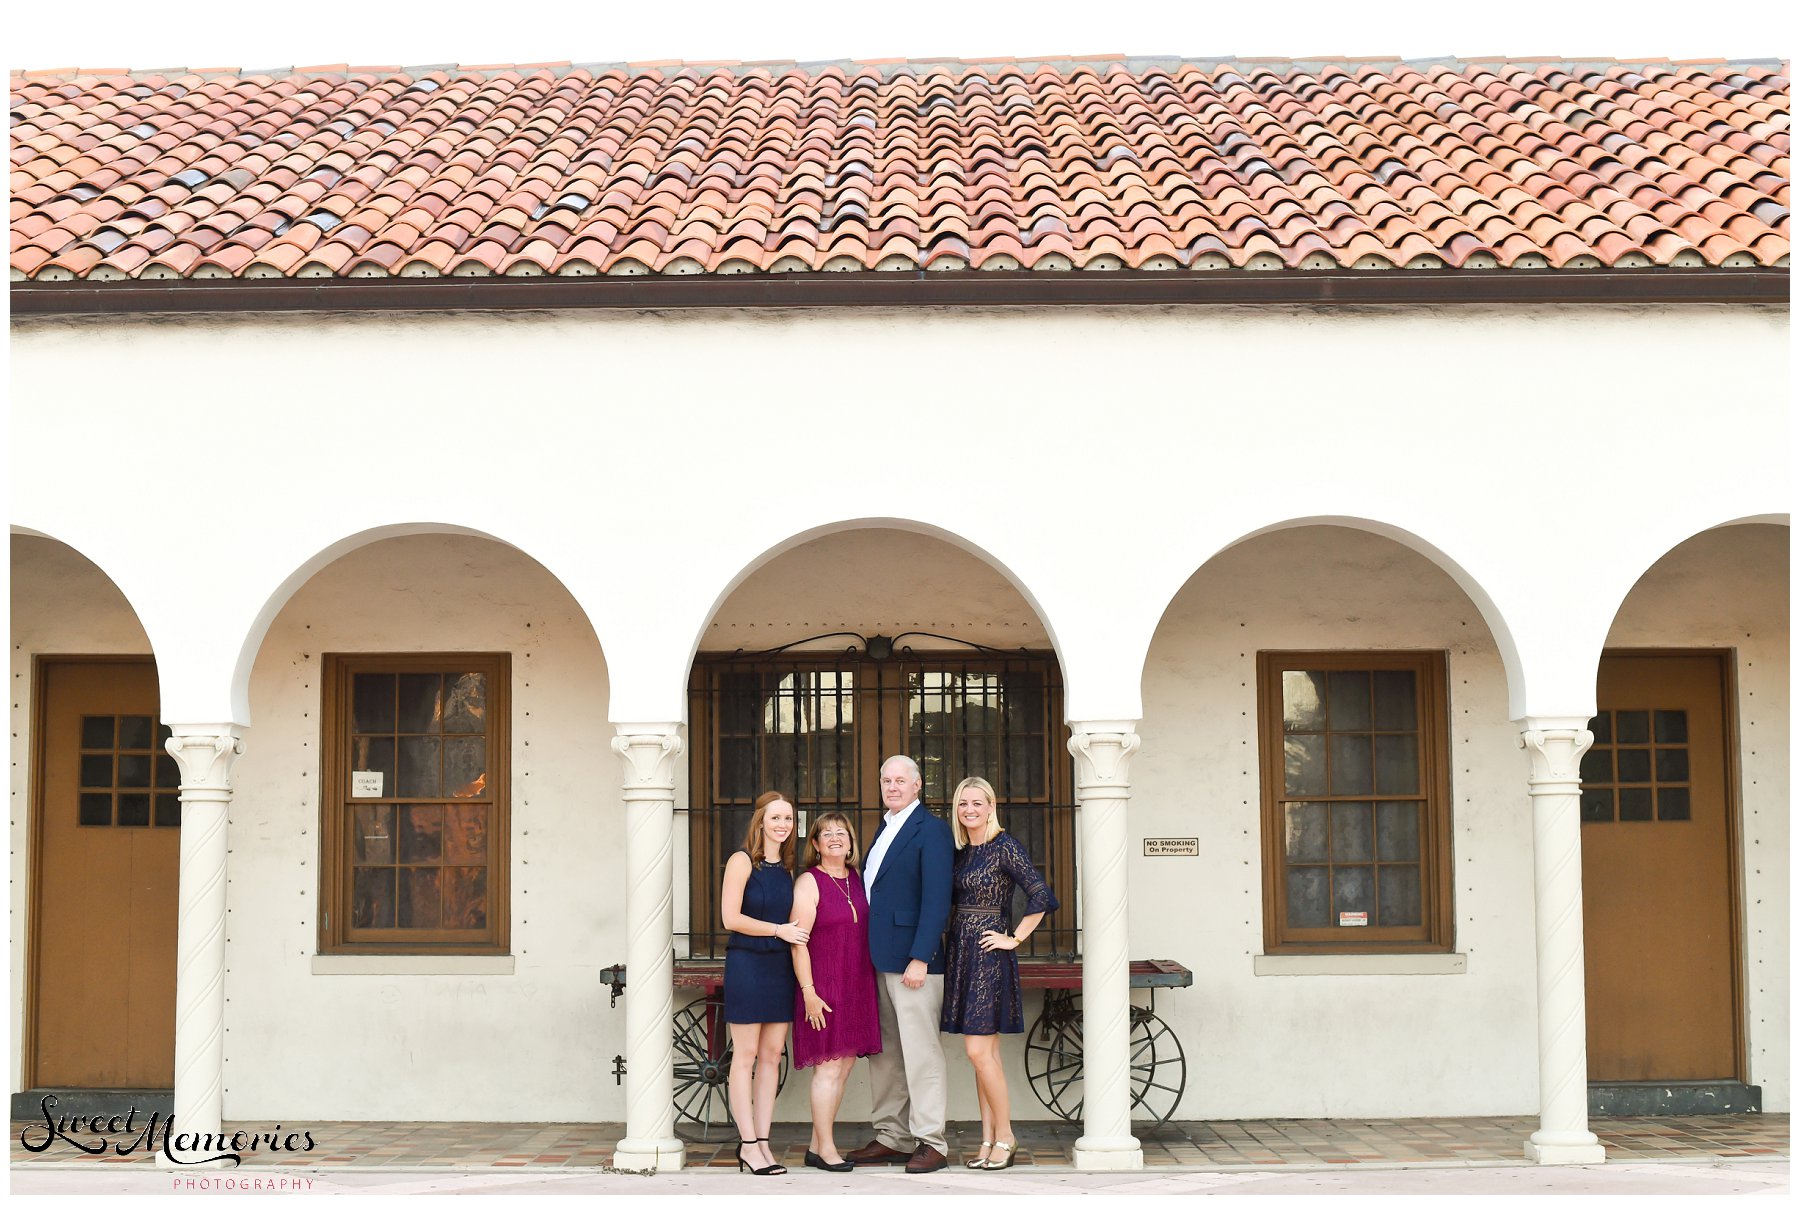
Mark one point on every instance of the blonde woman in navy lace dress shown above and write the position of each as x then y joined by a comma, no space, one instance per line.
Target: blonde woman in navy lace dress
981,983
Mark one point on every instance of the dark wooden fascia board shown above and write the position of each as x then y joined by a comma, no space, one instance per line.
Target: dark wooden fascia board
1396,287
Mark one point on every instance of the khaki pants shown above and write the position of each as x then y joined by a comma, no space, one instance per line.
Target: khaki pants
909,1084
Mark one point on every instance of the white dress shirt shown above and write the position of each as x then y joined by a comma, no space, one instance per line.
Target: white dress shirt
890,825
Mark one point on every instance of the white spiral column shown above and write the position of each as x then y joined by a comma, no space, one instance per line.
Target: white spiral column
1102,750
205,753
1556,746
649,752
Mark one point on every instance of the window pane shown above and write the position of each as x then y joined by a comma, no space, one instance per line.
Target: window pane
372,703
96,732
1305,765
1349,706
737,768
1352,832
1306,831
134,769
1671,727
421,775
1597,805
1634,803
1307,896
1024,767
465,897
1396,765
1352,765
1396,700
1302,701
1633,727
465,833
168,774
1634,765
1672,803
421,833
372,897
375,753
96,770
134,811
95,810
1596,765
421,703
465,703
1601,727
1671,765
372,834
1352,890
465,767
135,731
1399,896
421,899
1397,832
168,811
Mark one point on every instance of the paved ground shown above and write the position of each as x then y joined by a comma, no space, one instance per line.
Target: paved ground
1661,1178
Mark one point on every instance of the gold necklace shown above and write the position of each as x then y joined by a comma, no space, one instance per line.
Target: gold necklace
843,885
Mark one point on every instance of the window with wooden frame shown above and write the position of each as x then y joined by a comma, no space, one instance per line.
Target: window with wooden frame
415,803
819,727
1356,802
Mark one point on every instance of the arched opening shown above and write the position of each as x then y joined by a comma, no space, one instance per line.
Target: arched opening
98,834
1325,718
1684,804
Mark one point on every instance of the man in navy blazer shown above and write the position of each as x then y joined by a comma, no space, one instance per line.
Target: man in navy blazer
907,872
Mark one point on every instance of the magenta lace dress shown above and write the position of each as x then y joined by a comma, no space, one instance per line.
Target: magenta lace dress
981,987
842,975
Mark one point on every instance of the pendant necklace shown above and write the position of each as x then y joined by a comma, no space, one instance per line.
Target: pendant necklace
843,885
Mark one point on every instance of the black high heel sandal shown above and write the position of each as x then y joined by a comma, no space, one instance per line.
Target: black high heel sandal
774,1169
814,1159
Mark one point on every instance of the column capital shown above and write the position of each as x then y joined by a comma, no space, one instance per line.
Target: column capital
205,753
1556,744
649,752
1103,750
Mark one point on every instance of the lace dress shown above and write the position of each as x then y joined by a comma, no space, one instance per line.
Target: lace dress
759,971
842,974
981,987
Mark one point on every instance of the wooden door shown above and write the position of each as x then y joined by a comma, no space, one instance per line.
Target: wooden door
108,843
1657,882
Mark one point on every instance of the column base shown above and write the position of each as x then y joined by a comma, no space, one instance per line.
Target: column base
650,1154
1109,1155
1559,1149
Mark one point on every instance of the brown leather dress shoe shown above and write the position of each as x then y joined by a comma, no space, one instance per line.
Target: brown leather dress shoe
877,1152
925,1159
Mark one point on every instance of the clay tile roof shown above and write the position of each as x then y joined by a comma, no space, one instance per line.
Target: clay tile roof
1037,163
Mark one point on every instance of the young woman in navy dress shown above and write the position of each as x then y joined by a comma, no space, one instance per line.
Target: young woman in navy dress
981,982
759,973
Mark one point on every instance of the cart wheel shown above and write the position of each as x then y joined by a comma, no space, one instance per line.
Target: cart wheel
702,1064
1053,1061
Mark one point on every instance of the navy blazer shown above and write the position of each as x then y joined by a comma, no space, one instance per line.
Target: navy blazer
909,901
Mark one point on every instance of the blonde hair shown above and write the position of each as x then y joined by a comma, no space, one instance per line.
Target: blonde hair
754,841
818,825
994,828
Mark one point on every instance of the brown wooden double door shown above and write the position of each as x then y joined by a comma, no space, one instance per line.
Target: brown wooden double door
108,845
1658,889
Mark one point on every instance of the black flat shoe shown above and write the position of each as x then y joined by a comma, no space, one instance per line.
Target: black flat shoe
774,1169
818,1161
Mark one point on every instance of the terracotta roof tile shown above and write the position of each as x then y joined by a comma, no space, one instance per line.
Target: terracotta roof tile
1047,164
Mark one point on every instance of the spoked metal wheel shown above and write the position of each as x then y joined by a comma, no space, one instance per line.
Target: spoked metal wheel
702,1064
1054,1058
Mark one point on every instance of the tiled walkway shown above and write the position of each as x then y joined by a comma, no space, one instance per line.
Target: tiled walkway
1261,1145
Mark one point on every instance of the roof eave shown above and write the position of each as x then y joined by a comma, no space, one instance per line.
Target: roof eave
1403,287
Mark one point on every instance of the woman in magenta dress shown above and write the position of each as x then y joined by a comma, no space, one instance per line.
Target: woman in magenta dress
835,1016
981,982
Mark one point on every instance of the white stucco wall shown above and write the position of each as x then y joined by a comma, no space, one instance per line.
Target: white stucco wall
1729,589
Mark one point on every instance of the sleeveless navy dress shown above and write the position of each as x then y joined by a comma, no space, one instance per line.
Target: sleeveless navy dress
759,971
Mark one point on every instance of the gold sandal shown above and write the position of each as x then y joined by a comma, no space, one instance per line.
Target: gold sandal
979,1161
1001,1165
